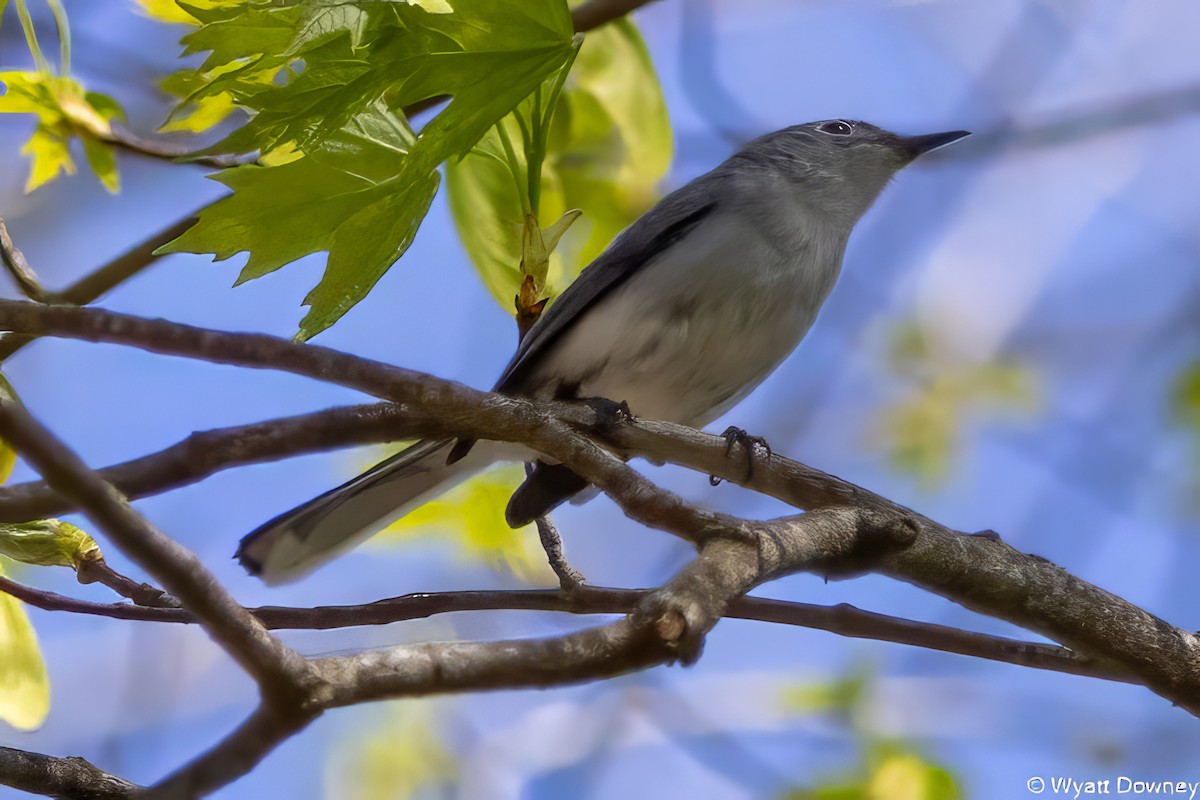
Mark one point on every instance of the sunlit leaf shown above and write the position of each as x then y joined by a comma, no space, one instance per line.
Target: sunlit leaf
358,63
470,518
47,543
609,147
103,160
910,777
202,115
393,760
51,156
24,684
64,111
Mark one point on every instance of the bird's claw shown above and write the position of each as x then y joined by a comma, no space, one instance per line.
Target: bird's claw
734,435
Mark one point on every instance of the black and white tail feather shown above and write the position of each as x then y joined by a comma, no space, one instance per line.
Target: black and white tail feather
300,540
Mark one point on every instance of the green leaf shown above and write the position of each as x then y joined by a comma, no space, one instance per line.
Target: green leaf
3,5
609,147
103,160
471,518
24,684
47,543
362,201
345,200
63,110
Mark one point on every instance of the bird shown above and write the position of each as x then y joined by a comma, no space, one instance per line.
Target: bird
687,311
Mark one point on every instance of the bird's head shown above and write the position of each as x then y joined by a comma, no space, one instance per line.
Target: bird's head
839,165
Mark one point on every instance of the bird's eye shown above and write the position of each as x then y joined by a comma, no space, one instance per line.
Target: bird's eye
837,128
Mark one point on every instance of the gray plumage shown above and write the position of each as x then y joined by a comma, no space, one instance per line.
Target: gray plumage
684,314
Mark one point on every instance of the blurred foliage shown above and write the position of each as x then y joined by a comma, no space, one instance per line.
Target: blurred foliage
24,684
470,518
326,82
607,147
64,110
887,768
838,698
400,757
922,432
1185,399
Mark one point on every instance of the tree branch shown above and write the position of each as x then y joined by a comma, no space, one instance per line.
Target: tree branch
67,778
974,571
171,151
594,13
281,673
203,454
843,620
97,283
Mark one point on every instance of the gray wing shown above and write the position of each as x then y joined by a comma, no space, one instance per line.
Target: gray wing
643,241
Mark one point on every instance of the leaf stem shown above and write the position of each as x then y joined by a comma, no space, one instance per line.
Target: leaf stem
31,38
513,166
64,36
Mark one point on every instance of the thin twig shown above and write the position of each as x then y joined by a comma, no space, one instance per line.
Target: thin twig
97,570
594,13
95,284
843,620
18,267
569,578
202,454
172,151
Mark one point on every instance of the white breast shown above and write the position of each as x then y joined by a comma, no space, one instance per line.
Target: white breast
694,332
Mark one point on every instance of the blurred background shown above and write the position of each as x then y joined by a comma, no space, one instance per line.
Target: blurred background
1013,345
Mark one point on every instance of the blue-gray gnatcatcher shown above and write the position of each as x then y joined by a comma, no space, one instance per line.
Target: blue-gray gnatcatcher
686,312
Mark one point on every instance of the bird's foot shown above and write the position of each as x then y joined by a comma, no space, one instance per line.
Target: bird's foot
609,413
734,435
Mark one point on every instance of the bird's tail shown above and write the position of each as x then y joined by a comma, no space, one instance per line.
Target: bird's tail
300,540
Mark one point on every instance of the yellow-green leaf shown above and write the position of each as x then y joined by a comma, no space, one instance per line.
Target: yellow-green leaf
30,93
905,776
47,543
50,154
169,10
203,114
103,161
609,147
471,518
64,110
24,684
394,759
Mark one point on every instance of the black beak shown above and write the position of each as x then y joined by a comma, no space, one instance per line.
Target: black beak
918,145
